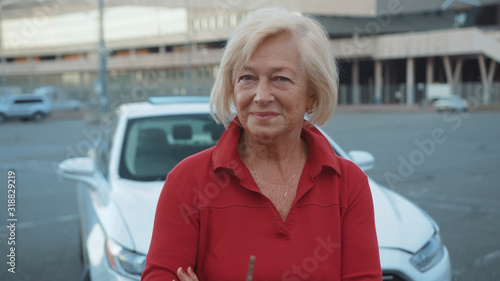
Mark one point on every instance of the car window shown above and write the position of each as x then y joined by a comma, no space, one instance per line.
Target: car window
106,145
27,101
153,146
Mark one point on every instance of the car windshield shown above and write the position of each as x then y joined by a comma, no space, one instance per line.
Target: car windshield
154,145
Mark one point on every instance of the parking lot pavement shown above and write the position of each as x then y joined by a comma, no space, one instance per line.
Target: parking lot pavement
378,108
46,228
447,163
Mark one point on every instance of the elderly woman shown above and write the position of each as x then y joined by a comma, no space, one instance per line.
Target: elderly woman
272,187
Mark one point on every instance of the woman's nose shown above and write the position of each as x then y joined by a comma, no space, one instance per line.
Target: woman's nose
263,92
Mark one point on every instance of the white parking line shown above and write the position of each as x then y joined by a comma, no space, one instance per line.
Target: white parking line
462,204
487,258
30,224
458,207
37,165
484,260
445,206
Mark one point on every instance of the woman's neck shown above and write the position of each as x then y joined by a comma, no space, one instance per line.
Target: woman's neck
279,152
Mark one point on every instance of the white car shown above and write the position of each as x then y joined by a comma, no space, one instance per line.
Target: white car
67,105
25,106
451,103
122,179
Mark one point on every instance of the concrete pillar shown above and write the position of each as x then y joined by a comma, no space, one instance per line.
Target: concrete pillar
448,70
429,71
378,82
486,77
453,74
356,93
456,88
429,74
457,73
410,81
387,83
491,71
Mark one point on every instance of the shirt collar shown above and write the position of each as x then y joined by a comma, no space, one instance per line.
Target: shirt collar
321,153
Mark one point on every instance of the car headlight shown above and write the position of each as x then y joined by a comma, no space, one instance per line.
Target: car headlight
124,261
429,255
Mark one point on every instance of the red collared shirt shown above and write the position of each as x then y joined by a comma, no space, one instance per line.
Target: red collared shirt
212,216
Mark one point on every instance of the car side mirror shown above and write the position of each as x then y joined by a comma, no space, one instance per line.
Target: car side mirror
79,169
363,159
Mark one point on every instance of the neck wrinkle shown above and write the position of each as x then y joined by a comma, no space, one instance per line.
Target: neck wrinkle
276,154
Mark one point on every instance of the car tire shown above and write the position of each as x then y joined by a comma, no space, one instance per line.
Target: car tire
83,250
37,117
85,274
2,118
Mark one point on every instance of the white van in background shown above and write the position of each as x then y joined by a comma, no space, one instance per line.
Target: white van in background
25,106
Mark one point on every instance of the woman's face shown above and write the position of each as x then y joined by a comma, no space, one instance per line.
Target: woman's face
270,92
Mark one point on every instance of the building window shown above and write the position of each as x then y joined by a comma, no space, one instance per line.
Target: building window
211,23
71,78
196,24
233,20
220,22
204,24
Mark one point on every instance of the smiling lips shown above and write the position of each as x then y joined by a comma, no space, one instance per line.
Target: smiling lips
264,116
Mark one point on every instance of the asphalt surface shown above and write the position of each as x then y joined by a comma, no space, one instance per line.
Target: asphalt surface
46,233
449,164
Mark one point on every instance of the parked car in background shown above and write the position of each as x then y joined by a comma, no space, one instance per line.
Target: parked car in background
67,105
25,107
451,103
121,180
59,98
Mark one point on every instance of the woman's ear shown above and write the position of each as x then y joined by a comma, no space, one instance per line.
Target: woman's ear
311,101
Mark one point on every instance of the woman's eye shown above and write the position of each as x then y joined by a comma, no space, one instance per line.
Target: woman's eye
282,79
246,78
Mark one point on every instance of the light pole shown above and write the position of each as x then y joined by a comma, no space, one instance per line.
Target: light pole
2,58
189,47
103,61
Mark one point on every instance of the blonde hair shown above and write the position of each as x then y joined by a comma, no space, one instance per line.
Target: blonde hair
313,43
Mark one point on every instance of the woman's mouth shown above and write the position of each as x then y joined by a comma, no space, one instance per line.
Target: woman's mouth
264,116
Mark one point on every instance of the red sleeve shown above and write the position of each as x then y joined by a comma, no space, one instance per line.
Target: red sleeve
175,233
360,254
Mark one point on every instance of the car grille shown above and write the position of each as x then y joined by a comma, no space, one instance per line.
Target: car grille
393,277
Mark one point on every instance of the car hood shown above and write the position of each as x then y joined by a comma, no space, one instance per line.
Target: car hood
137,203
400,223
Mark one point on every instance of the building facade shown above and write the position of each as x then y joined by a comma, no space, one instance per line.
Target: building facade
389,51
